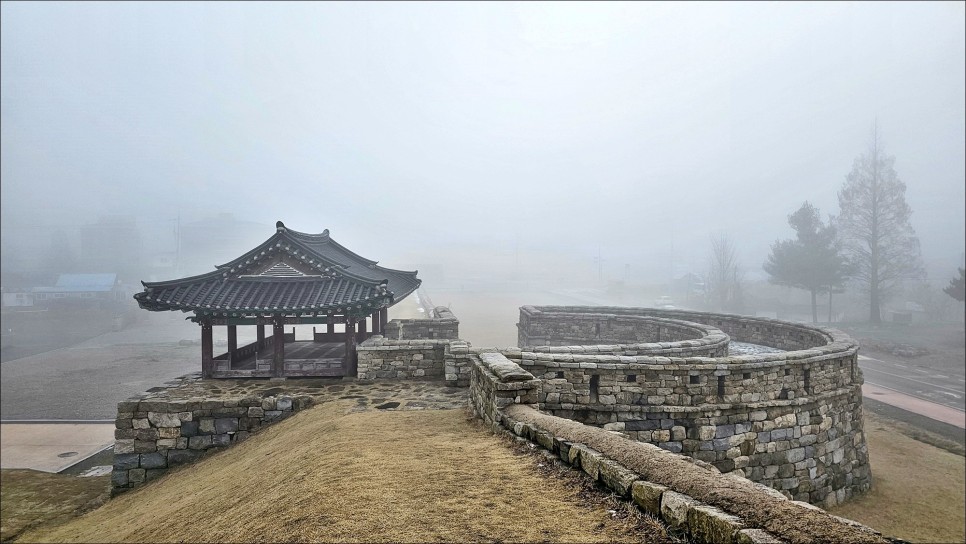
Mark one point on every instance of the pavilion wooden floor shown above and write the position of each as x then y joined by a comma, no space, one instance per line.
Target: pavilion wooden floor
298,351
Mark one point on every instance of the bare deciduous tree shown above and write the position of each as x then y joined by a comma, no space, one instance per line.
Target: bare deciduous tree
725,276
875,229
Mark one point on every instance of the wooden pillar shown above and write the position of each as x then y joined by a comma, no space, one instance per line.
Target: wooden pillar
375,323
383,319
362,330
207,348
278,339
260,334
232,343
330,329
351,363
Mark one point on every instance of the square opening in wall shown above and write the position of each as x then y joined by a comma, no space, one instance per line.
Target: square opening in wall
746,376
788,372
631,378
694,379
560,374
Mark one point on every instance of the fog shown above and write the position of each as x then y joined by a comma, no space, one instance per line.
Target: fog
476,136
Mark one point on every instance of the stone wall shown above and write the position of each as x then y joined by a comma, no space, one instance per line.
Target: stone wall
588,332
153,436
496,382
382,358
657,491
499,388
442,325
789,420
755,330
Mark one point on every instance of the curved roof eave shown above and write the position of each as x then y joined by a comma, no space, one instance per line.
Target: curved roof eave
400,283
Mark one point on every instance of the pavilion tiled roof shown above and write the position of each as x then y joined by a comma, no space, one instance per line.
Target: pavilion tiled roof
291,273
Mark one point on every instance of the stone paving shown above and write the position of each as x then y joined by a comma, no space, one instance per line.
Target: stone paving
367,394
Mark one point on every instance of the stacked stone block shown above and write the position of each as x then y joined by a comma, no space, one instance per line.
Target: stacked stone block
153,436
383,358
536,320
442,325
790,420
496,382
457,364
592,333
699,522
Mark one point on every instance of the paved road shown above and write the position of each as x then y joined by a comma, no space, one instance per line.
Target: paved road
941,387
86,381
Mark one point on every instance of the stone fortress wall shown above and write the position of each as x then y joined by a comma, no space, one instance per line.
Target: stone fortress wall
154,435
617,334
691,496
441,325
417,348
792,420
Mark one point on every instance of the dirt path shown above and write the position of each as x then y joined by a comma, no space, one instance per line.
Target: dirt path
334,473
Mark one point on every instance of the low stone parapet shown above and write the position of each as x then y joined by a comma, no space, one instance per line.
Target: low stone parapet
380,357
496,382
153,436
441,325
690,496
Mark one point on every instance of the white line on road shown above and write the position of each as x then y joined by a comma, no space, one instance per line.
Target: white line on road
910,379
914,396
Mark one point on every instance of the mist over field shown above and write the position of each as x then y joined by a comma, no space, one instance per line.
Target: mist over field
798,166
572,144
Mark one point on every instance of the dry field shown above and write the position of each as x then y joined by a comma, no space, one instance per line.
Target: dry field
328,474
917,489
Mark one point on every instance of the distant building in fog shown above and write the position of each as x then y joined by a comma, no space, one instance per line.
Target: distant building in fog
90,287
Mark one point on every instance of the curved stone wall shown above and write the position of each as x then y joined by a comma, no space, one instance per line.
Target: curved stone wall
587,332
789,420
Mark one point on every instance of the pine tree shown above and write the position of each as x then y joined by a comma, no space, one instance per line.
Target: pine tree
812,261
874,224
957,286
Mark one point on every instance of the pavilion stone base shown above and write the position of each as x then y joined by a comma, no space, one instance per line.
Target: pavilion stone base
153,436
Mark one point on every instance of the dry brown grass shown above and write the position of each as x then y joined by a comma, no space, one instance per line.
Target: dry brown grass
328,475
29,498
917,489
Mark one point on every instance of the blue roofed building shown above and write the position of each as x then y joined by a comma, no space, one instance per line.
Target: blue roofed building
93,287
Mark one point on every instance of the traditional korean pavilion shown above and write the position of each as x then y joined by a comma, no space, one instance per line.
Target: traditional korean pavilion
291,278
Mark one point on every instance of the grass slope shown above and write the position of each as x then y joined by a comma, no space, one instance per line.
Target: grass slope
329,475
29,498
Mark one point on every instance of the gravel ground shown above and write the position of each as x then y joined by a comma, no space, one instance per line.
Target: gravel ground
743,348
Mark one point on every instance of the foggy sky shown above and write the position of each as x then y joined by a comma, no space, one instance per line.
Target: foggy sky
406,128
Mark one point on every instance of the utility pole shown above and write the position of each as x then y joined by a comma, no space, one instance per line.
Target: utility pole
671,260
600,266
177,253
